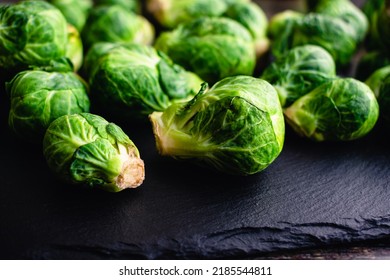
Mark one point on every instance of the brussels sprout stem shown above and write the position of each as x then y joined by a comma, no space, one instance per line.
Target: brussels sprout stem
133,172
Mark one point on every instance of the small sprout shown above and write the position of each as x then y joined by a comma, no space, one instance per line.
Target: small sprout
84,149
339,110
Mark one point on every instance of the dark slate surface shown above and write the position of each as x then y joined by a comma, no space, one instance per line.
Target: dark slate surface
313,195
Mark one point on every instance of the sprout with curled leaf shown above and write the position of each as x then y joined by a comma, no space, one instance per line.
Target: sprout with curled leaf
340,110
84,149
235,127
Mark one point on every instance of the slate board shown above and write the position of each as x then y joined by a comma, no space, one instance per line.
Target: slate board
313,195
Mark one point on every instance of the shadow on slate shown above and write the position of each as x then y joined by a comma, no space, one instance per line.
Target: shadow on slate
313,195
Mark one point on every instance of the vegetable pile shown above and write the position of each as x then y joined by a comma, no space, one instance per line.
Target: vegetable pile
217,80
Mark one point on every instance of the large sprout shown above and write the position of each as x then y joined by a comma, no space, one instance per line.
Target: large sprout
75,11
84,149
132,80
236,127
213,48
116,24
39,97
340,110
31,33
299,71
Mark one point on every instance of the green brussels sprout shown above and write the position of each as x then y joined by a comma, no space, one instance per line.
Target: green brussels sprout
86,150
129,5
74,49
236,127
115,24
348,12
279,22
171,13
369,63
383,27
376,79
133,80
38,97
299,71
213,48
372,9
253,18
384,97
75,11
339,110
333,34
31,33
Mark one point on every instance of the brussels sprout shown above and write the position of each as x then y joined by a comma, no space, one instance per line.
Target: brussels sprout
39,97
369,62
383,27
213,48
132,80
171,13
333,34
299,71
348,12
74,49
384,97
376,79
31,33
115,24
280,21
84,149
75,11
253,18
236,127
129,5
375,10
340,110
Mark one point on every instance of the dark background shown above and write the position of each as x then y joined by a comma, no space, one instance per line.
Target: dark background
317,200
